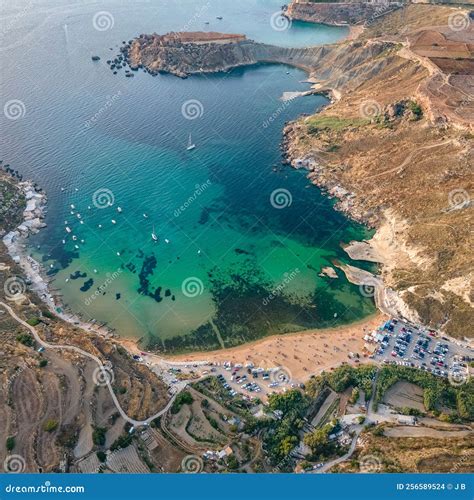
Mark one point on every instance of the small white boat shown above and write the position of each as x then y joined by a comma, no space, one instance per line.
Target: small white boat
64,242
145,215
76,247
114,221
190,143
100,226
67,279
72,212
68,229
119,210
153,235
167,240
95,271
82,241
73,207
74,238
118,253
89,207
81,222
78,216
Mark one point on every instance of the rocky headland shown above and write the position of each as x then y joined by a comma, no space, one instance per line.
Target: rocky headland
394,147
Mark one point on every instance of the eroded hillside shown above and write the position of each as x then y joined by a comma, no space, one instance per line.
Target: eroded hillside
397,149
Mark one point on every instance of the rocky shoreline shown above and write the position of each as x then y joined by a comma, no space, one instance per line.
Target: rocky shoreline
36,278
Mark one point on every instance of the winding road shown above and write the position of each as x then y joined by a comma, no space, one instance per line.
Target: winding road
80,351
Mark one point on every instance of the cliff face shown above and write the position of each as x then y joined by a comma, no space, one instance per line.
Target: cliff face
337,13
396,149
171,54
183,54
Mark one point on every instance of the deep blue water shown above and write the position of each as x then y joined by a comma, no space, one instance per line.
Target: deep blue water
84,130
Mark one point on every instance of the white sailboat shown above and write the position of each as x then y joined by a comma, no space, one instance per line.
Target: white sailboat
190,143
153,235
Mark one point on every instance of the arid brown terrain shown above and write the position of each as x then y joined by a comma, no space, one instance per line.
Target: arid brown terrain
397,149
52,401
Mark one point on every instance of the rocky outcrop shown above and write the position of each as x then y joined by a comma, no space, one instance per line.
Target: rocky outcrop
183,54
194,54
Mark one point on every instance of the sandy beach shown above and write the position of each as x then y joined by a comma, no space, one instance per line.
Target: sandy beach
302,353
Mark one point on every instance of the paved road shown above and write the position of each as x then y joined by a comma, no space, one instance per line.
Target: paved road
46,345
369,418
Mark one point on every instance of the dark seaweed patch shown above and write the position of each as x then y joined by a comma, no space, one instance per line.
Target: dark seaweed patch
87,285
78,275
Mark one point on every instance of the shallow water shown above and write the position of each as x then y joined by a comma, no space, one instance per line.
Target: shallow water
247,235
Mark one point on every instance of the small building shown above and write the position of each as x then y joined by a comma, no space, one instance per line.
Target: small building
226,452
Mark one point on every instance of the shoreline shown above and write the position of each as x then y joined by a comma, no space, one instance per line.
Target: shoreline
302,353
16,243
37,281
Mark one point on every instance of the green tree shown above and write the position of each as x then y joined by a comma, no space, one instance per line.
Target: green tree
10,443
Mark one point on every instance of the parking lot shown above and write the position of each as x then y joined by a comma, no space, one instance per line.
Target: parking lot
407,345
253,380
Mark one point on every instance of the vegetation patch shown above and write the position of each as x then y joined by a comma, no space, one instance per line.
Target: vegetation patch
318,123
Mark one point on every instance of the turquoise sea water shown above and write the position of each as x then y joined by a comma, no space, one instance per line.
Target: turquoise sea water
247,235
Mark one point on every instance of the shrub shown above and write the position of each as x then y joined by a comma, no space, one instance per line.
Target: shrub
10,443
98,436
25,339
183,398
33,321
50,425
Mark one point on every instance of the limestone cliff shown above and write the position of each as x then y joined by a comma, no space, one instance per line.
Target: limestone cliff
339,13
